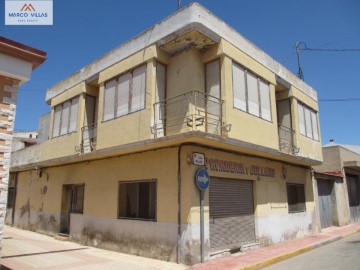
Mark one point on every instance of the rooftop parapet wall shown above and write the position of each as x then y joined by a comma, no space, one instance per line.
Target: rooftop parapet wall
191,17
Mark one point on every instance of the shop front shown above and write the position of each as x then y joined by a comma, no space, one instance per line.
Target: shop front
253,201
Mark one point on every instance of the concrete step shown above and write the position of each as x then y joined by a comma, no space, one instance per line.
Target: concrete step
62,237
235,251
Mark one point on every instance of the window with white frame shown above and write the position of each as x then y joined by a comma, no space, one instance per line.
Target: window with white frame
308,122
65,117
251,93
125,94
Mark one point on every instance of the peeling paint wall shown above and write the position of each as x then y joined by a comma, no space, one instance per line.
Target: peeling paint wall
191,243
280,228
143,238
31,207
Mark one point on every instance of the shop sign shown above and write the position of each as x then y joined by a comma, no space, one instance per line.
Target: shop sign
218,165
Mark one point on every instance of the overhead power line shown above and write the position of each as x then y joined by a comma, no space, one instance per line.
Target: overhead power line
301,46
32,90
329,50
339,100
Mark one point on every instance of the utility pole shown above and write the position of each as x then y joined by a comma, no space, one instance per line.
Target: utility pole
300,72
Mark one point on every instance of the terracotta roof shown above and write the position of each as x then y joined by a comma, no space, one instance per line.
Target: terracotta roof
336,173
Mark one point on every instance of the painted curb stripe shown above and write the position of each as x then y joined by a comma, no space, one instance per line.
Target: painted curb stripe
287,255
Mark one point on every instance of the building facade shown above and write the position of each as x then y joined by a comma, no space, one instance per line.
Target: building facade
17,61
23,139
129,132
339,181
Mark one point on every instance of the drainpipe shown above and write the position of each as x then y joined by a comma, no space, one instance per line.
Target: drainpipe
179,207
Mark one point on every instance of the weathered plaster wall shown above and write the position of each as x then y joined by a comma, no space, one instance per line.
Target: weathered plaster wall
347,155
143,238
341,204
38,203
280,228
332,160
44,127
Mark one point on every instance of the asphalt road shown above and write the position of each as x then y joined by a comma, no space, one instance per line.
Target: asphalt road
343,254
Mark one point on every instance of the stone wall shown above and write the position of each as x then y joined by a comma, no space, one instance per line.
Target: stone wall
8,96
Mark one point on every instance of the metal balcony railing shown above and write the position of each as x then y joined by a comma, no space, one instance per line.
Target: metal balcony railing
88,139
188,112
286,140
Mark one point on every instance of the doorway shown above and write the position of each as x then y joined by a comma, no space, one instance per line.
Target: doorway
354,197
72,202
325,188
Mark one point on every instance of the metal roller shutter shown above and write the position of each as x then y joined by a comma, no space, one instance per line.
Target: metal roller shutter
232,222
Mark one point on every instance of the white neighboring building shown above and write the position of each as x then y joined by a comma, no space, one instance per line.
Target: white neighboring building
23,139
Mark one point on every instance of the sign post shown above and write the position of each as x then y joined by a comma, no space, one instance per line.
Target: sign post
202,180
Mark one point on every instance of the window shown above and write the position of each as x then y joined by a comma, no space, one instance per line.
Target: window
65,117
251,94
77,199
137,200
125,94
308,122
296,197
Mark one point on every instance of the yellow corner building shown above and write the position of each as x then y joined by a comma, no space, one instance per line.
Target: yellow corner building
128,133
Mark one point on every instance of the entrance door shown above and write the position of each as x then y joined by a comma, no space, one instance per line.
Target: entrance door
11,199
72,203
354,197
232,222
324,194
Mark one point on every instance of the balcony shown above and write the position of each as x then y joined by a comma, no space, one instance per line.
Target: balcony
88,139
193,111
286,140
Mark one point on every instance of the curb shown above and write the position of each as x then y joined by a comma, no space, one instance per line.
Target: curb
287,255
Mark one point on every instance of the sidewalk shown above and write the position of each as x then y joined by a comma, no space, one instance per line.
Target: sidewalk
263,257
28,250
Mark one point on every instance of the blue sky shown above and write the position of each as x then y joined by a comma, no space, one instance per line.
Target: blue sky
85,30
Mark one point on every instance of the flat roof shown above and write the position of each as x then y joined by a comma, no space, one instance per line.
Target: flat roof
350,147
192,17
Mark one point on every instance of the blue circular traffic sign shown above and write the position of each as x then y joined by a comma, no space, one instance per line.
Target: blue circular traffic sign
202,179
